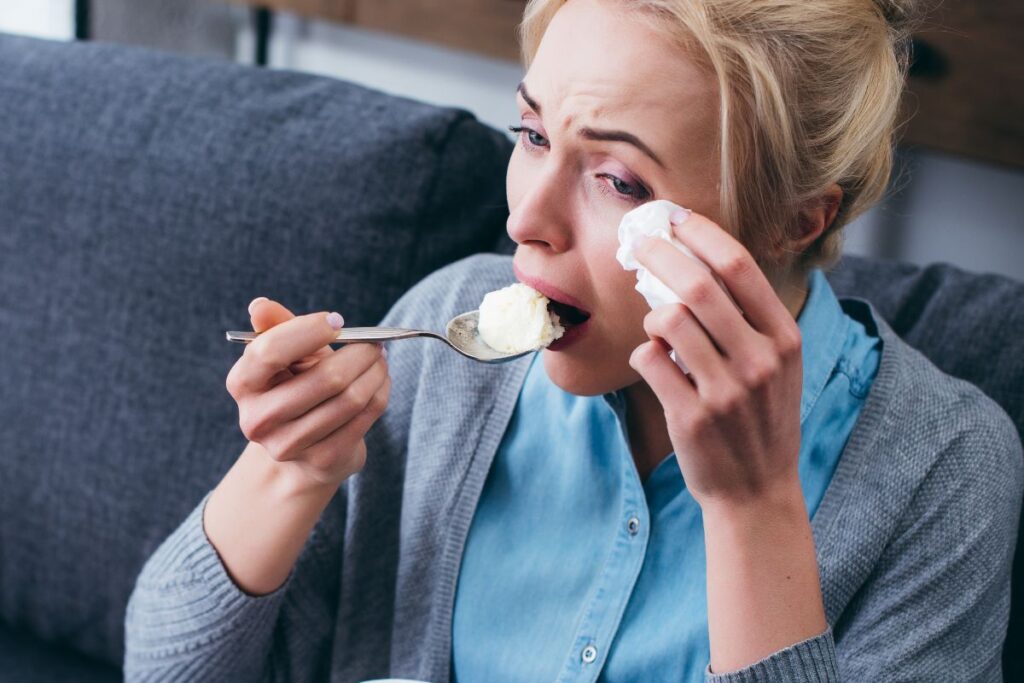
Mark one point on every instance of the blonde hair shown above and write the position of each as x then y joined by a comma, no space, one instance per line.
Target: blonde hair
809,95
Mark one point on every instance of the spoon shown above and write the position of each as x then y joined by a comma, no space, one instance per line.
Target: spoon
461,334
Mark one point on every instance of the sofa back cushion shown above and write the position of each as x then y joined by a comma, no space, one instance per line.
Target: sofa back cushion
145,199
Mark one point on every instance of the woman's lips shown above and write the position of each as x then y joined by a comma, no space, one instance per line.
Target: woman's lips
549,290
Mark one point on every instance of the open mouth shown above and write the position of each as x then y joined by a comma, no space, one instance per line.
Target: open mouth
572,318
568,316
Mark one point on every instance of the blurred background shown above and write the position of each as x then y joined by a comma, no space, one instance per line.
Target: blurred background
957,196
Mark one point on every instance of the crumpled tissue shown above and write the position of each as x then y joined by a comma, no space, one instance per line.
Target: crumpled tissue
652,220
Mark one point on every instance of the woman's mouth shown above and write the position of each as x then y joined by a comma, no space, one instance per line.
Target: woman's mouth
572,319
571,315
567,315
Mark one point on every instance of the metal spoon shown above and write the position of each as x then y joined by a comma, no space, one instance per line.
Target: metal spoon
461,334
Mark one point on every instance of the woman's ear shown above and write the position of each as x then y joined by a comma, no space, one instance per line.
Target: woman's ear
814,218
830,202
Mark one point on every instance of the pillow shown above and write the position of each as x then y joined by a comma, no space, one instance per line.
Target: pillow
145,199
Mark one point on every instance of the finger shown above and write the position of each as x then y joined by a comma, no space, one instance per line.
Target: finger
694,284
265,313
327,379
677,326
733,263
674,390
280,346
342,440
294,437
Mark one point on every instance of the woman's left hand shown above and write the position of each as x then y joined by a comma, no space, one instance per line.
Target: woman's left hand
734,422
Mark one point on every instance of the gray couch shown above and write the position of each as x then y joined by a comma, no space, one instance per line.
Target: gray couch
146,198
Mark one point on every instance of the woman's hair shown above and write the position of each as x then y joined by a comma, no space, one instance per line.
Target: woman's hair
809,92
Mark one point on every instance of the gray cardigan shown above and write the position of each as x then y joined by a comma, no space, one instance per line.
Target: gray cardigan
914,536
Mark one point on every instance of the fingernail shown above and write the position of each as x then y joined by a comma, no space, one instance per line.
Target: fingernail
335,320
679,216
252,304
383,350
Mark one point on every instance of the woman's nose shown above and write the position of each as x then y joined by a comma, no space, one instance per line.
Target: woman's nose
542,215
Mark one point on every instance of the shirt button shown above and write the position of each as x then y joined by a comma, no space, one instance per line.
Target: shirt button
589,654
633,525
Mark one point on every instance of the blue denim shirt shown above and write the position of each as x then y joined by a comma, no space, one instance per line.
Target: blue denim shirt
575,570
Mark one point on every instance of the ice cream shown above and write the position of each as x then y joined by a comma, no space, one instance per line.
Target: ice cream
516,318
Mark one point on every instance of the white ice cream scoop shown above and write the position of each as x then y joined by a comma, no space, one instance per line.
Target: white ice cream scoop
516,318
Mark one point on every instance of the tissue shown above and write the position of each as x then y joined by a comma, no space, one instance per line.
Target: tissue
651,220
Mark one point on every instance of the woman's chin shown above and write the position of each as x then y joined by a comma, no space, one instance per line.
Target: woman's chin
583,374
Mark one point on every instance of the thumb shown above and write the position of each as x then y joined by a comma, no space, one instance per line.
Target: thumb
265,314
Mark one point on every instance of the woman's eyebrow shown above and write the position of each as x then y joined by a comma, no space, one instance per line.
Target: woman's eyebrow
620,136
595,133
521,89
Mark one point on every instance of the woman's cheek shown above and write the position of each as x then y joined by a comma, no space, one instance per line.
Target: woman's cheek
625,309
513,179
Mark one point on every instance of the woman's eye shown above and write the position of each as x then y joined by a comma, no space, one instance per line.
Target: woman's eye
532,137
623,190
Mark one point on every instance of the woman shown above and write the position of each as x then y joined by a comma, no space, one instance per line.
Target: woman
815,501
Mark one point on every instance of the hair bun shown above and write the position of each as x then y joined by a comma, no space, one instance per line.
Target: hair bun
901,15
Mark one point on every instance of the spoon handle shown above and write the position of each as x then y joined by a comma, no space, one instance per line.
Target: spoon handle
349,334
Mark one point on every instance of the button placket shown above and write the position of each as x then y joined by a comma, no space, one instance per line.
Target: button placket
609,596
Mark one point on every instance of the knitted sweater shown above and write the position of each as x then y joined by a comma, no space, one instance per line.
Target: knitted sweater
914,536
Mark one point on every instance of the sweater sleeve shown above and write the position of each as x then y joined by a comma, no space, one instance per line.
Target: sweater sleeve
810,660
936,605
188,621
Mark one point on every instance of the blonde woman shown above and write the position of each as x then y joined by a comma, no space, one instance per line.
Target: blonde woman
814,502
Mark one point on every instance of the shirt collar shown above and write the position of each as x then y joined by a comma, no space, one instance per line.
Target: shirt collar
823,328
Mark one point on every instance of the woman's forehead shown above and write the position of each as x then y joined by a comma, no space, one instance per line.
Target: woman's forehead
595,58
670,119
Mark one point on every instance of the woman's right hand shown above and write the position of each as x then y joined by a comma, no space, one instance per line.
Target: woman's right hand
307,405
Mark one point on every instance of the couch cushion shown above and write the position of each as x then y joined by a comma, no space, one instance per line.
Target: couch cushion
145,199
26,659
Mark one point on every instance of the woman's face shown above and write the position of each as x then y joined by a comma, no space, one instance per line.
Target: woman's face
597,70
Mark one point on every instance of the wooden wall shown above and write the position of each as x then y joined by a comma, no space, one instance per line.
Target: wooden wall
966,92
486,27
965,96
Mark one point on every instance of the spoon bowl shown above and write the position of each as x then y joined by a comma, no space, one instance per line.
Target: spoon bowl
461,334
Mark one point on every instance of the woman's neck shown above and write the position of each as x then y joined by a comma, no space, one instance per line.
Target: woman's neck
649,441
648,432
